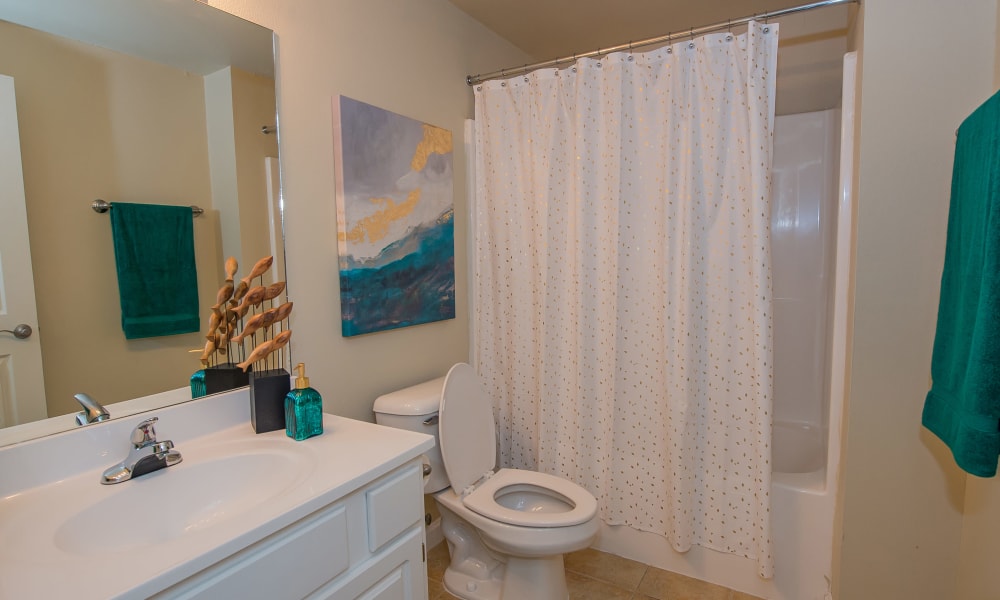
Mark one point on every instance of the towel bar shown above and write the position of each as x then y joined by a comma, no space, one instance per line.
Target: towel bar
103,206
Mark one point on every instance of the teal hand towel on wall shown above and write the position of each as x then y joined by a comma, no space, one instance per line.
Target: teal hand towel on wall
963,405
157,278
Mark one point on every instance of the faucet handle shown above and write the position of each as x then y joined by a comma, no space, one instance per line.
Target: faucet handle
144,434
162,449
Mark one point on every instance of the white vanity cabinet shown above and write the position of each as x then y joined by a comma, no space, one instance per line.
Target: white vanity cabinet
368,545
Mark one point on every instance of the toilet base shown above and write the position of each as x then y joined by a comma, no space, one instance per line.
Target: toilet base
535,578
519,578
477,573
462,585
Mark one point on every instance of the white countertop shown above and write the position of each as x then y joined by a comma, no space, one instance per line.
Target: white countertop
45,487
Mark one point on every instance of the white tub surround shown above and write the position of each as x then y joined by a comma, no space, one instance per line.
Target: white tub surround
331,517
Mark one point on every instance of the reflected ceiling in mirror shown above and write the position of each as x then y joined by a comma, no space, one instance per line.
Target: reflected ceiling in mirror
185,34
149,101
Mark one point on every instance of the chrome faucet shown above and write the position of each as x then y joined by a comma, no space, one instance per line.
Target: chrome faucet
92,410
147,455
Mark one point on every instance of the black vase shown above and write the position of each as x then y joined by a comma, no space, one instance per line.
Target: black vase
267,399
225,377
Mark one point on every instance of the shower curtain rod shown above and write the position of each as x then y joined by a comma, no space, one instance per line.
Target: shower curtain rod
555,62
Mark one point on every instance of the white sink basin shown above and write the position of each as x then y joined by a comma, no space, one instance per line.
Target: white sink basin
217,481
186,498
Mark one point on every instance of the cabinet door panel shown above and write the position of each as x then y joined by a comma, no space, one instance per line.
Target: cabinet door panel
391,587
391,506
397,573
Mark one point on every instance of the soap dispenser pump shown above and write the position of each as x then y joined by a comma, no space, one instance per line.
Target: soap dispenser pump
303,408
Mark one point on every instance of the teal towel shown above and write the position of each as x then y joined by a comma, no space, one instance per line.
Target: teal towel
157,279
963,405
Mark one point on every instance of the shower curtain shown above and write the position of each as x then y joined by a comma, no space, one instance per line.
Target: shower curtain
622,286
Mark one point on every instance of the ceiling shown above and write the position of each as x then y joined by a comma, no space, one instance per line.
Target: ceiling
555,28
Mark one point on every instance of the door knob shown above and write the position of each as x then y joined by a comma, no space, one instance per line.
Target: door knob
21,332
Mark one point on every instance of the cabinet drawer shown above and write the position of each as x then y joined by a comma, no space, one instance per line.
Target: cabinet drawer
394,505
289,564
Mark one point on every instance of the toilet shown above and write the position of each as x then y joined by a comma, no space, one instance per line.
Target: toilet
507,530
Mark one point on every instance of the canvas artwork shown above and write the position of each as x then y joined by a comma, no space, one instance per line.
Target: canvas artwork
395,219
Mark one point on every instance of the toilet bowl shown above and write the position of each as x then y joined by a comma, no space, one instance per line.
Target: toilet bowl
507,530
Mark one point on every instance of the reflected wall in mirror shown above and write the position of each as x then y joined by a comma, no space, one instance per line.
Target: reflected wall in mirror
144,101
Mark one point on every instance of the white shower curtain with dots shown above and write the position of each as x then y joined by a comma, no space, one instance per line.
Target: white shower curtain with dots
622,282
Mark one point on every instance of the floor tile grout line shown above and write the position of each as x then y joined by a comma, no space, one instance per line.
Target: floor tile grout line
608,581
632,591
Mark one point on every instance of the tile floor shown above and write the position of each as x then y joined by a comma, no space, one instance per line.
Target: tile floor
595,575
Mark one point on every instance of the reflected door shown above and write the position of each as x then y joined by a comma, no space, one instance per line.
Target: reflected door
22,389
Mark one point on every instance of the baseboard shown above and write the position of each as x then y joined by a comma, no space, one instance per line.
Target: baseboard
434,534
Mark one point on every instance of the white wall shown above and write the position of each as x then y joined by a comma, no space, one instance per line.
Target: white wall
408,57
924,68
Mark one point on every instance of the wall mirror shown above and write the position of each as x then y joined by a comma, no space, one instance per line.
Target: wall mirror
144,101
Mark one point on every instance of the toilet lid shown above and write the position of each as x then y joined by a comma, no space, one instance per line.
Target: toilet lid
466,428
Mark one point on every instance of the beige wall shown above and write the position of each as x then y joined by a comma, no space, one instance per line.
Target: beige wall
73,153
904,498
238,104
408,57
980,549
253,107
808,78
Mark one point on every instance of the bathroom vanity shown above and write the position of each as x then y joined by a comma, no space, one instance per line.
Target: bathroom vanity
241,516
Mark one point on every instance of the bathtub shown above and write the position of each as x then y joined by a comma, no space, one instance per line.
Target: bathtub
798,456
802,505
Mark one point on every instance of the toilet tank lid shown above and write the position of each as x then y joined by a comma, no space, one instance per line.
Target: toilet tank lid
421,399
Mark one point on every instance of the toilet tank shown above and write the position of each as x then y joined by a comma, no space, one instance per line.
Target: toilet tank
416,409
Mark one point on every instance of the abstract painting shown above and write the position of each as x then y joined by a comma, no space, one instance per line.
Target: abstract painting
395,219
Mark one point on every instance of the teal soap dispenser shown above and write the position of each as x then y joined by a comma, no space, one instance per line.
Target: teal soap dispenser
303,408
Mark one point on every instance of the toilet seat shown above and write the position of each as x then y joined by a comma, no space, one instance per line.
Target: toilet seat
467,434
582,504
